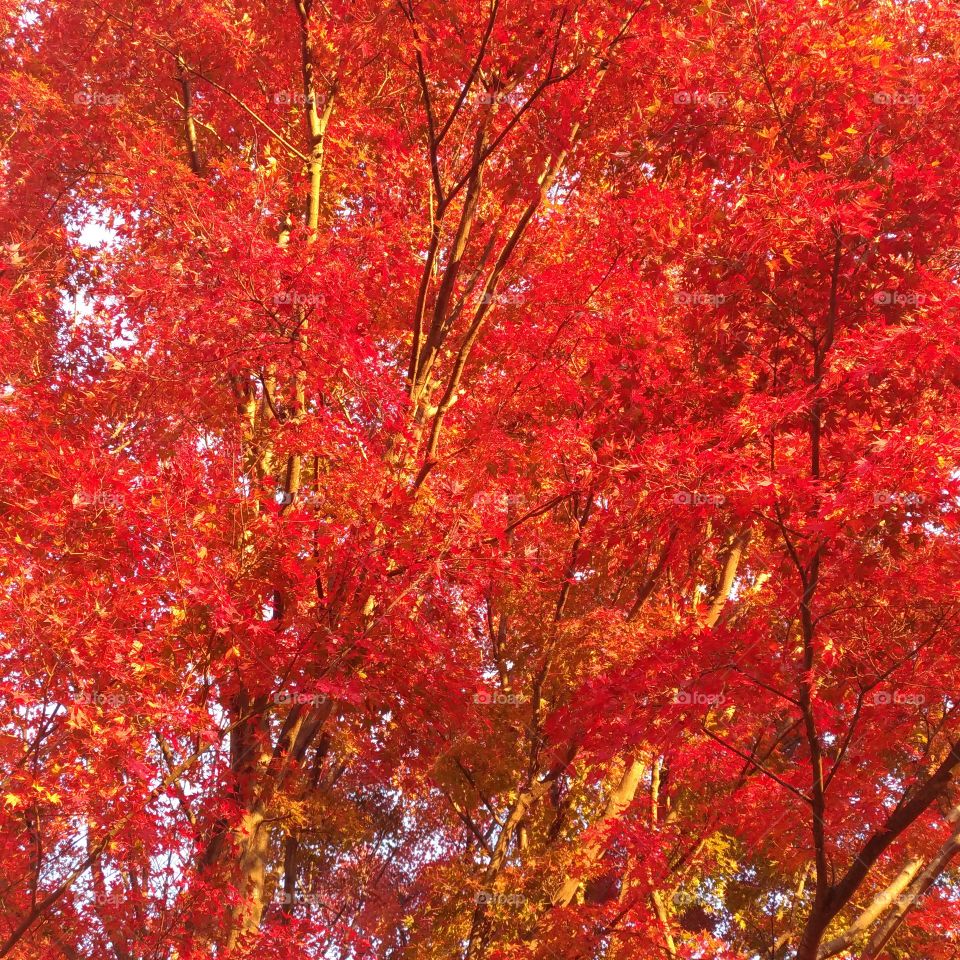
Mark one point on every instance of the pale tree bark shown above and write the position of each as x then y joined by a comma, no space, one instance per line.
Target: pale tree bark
620,798
728,576
317,121
904,815
918,887
899,897
880,903
656,898
189,124
625,791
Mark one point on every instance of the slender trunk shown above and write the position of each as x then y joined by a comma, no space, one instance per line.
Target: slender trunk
189,125
877,906
920,884
727,577
254,842
620,798
252,839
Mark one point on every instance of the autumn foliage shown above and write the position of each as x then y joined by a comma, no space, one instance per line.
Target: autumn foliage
479,481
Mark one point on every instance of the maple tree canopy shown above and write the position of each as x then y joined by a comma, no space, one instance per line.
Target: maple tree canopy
479,481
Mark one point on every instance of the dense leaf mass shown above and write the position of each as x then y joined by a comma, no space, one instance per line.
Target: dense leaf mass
479,481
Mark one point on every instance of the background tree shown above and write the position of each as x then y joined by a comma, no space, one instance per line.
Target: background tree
479,481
